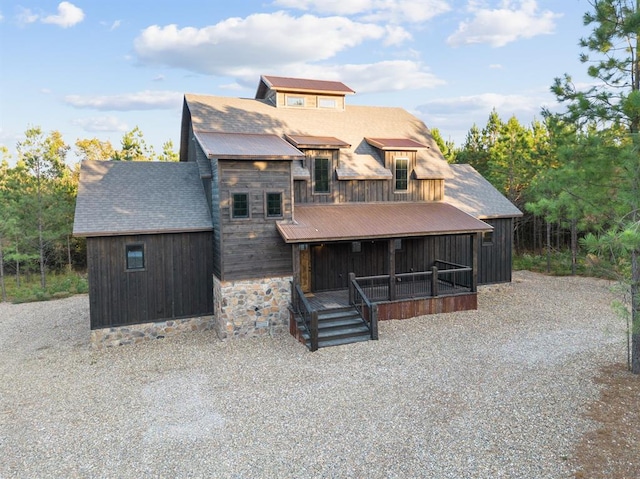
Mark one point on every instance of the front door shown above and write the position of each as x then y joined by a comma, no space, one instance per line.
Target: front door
305,270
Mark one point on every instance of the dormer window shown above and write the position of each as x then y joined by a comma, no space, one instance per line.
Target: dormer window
295,101
327,103
321,173
402,174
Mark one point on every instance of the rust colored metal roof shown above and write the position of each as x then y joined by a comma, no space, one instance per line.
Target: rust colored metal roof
246,146
361,221
395,143
306,141
303,84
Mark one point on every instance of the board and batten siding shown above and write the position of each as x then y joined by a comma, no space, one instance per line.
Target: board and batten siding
332,262
252,247
495,259
176,282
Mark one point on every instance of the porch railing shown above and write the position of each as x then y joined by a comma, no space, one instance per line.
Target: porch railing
444,279
307,314
368,310
453,277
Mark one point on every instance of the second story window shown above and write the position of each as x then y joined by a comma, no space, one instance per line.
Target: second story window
295,101
274,205
321,170
327,103
240,205
402,174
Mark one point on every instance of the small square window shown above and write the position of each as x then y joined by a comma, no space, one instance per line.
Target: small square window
274,205
487,238
135,256
356,247
397,244
240,207
295,101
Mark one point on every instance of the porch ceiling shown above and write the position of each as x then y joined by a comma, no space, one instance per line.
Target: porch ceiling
362,221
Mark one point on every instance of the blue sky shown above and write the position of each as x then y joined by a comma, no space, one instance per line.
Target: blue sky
100,68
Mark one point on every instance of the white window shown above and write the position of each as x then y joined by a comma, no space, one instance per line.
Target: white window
295,101
327,103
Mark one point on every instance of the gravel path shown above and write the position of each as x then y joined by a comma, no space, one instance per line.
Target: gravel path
493,393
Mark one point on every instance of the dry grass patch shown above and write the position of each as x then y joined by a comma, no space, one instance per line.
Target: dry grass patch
612,451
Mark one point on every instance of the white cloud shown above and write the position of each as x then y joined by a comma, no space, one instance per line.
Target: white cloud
1,17
26,16
328,7
259,42
158,78
504,104
101,124
498,27
393,75
455,116
68,15
144,100
398,11
496,66
407,11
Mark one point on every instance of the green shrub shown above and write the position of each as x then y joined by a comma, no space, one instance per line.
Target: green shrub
59,285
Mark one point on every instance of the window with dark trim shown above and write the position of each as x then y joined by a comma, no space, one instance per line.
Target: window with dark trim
402,174
321,170
240,205
273,205
397,244
135,257
487,238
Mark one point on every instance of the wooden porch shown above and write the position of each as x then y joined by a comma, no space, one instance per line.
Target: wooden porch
340,316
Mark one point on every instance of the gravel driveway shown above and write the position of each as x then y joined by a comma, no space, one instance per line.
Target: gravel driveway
493,393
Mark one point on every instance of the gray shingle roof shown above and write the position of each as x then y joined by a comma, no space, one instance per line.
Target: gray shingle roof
473,194
116,198
351,125
245,146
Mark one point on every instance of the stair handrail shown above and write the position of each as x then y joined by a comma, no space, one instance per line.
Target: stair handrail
367,310
308,314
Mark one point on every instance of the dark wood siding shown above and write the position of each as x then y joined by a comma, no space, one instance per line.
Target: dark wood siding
252,247
495,259
216,219
176,282
332,262
353,191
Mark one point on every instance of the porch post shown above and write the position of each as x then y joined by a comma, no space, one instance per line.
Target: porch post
392,270
475,241
295,252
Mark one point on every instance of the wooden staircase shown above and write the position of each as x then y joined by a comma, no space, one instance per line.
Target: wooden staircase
335,327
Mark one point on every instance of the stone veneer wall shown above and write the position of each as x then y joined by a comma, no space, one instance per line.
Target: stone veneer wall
137,333
251,308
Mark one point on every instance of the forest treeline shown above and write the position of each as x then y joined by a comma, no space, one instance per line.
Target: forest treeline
565,182
37,199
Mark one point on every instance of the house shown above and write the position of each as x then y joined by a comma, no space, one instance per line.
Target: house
321,218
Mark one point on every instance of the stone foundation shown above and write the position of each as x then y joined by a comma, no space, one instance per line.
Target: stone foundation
252,308
137,333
